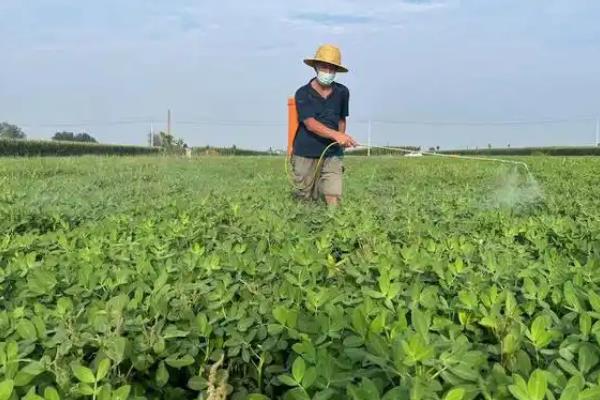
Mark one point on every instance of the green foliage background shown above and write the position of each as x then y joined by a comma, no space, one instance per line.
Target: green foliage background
130,277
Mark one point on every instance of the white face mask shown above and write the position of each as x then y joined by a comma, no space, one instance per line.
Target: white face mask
325,78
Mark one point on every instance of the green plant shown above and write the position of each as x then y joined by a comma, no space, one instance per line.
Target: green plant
151,277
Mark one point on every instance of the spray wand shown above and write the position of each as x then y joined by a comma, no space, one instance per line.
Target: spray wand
398,149
404,150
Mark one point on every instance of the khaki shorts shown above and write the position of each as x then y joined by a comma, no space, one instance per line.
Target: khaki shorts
328,181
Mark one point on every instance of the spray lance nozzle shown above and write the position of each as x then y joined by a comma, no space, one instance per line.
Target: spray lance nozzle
428,153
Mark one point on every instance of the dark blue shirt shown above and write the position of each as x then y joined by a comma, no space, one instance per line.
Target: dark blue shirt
329,112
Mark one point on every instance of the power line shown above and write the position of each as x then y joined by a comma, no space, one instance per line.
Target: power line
481,123
265,123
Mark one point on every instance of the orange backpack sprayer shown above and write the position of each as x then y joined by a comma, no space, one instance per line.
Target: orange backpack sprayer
292,124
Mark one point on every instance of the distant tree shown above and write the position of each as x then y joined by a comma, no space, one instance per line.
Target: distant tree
489,145
156,142
166,140
84,137
9,131
179,143
509,145
437,148
65,136
431,149
71,137
169,144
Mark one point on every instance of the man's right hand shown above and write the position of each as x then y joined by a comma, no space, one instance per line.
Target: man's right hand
345,140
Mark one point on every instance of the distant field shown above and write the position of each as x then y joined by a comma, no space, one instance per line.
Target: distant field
130,277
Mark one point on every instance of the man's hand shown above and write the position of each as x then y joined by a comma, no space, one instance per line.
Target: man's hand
345,140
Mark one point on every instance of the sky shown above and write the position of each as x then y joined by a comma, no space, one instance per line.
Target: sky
448,73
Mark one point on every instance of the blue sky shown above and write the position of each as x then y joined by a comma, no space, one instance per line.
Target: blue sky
225,68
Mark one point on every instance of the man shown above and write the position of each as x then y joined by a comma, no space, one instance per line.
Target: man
322,107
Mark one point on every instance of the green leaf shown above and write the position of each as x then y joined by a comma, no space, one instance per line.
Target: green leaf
369,389
32,395
82,373
296,394
397,393
105,393
197,383
378,324
122,393
455,394
40,326
420,321
539,334
373,293
103,368
587,358
570,393
51,394
359,322
355,393
416,349
201,325
85,389
298,369
256,396
173,361
510,344
287,380
28,373
307,350
567,366
519,388
378,346
537,385
115,348
41,282
162,375
26,330
274,329
571,297
590,394
309,377
325,394
594,300
171,332
6,388
585,323
280,314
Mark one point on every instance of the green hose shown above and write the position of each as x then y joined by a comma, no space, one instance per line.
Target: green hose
317,169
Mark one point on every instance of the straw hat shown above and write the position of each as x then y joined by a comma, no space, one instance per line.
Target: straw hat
328,54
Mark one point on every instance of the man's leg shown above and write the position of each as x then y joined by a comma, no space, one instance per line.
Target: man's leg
304,170
330,182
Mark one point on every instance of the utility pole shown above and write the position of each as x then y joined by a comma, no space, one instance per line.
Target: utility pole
369,140
169,122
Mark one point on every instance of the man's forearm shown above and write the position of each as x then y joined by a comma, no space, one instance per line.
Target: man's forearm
342,125
320,129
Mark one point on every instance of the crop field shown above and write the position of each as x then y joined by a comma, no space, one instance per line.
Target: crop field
166,278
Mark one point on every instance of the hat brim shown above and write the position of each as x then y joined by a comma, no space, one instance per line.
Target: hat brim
312,61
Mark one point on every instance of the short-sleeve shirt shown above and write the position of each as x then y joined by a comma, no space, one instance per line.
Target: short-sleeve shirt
329,112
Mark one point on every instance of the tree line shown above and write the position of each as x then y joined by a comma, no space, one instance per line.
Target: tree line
10,131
